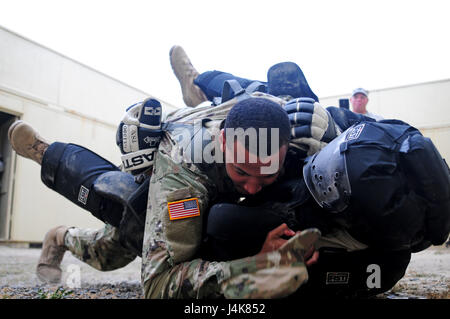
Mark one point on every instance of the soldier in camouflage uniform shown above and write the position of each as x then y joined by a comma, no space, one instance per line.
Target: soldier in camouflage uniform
171,182
102,248
172,267
168,268
171,263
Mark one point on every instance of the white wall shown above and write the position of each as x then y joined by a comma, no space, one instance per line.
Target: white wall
70,102
425,106
32,70
64,101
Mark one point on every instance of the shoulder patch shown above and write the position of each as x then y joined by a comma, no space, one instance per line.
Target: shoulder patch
183,208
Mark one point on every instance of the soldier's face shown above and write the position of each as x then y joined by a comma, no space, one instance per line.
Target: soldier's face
249,176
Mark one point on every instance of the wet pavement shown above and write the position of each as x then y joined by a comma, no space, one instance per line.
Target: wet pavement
427,277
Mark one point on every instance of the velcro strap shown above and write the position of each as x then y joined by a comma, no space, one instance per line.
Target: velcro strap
139,159
231,88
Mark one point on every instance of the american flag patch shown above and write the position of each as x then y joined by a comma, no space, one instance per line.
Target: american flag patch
183,208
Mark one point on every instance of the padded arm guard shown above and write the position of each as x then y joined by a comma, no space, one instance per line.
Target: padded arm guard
312,127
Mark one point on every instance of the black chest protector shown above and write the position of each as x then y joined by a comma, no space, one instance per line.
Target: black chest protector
387,181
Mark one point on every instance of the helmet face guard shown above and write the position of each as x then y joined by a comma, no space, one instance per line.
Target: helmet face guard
326,176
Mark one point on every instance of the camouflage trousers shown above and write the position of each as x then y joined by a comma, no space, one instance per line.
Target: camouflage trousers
100,248
340,238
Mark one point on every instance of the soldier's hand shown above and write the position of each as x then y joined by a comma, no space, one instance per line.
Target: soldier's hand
311,257
275,240
312,127
274,274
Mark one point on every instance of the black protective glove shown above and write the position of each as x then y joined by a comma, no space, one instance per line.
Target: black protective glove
312,126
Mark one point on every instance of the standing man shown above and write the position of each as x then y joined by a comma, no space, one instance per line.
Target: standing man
359,100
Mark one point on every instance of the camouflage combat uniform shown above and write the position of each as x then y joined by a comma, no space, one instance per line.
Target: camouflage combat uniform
171,267
99,248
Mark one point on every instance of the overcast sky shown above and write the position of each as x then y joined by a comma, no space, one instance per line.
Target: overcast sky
339,45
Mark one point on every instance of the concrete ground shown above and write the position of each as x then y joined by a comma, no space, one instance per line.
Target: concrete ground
17,268
428,276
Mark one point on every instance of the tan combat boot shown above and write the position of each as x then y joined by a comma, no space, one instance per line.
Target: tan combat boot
48,269
26,141
186,74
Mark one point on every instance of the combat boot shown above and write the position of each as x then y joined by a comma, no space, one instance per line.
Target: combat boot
26,141
48,269
186,74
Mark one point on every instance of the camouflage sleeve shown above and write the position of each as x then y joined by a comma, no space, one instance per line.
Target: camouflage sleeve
275,274
169,266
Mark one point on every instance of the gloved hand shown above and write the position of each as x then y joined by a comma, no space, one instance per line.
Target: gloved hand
139,134
274,274
312,127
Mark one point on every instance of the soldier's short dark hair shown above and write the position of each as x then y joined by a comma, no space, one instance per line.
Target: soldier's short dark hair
260,113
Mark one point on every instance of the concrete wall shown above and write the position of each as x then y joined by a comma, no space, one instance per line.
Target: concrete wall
65,101
70,102
425,106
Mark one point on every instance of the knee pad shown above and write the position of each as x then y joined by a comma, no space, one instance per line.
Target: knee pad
287,78
131,228
90,182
